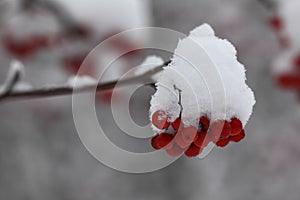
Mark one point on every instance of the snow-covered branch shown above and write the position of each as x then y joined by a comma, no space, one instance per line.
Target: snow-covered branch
268,4
62,15
8,90
15,74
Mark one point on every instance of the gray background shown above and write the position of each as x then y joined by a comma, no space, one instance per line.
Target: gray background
41,156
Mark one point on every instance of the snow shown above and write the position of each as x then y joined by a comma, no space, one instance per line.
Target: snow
148,64
204,66
202,31
22,87
81,81
283,62
16,67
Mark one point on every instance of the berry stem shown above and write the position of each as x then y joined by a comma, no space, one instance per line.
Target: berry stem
179,99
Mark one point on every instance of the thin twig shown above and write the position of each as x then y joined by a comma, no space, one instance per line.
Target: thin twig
68,90
13,77
59,12
269,4
179,99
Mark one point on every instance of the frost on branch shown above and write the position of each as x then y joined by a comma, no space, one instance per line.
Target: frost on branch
14,79
148,64
78,82
201,96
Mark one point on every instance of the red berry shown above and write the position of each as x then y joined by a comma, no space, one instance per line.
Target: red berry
73,63
276,23
226,129
175,151
204,121
177,124
154,143
238,137
297,61
284,41
42,41
202,140
81,30
188,134
219,129
214,137
163,140
20,48
160,119
289,80
222,142
105,96
122,43
236,126
180,142
193,151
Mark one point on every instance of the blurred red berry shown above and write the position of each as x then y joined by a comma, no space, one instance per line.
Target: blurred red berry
284,41
297,61
175,151
193,151
276,23
42,40
238,137
81,31
160,119
202,140
204,121
236,126
222,142
289,81
73,63
22,48
188,134
105,95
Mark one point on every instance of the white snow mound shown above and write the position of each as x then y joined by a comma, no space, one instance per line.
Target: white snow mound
211,79
81,81
148,64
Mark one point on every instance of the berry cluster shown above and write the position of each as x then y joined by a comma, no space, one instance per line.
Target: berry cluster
28,46
291,79
276,23
25,47
178,138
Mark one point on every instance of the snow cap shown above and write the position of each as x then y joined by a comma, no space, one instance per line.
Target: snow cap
206,74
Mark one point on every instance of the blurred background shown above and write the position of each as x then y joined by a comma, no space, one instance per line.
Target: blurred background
41,155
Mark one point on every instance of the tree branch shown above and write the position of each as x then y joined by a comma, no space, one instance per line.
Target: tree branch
45,92
13,77
59,12
269,4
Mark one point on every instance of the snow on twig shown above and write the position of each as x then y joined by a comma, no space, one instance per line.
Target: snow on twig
15,74
86,85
